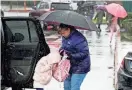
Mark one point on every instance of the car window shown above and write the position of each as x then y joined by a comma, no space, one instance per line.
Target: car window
44,5
34,37
60,6
25,28
38,5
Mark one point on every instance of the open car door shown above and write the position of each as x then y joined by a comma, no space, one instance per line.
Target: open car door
24,47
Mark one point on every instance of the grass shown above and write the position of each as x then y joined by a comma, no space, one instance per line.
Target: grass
126,37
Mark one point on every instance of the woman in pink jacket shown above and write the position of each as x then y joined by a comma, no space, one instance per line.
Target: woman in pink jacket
114,28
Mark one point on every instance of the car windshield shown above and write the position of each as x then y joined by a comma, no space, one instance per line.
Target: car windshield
60,6
42,5
38,5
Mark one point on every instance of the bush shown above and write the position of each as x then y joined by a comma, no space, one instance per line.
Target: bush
127,25
129,16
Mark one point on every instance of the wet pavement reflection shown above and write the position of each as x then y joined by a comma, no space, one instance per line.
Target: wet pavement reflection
102,60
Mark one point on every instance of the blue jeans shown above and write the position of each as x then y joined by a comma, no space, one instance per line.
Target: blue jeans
74,81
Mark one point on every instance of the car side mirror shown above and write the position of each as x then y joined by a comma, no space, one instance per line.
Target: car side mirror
18,37
34,7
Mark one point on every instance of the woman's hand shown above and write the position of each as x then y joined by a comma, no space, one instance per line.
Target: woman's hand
68,55
65,52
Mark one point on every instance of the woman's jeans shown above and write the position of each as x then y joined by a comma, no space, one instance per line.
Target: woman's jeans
74,81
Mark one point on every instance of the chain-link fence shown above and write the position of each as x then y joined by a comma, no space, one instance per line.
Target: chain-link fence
18,5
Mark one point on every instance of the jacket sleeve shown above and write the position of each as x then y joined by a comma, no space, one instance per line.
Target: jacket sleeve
82,49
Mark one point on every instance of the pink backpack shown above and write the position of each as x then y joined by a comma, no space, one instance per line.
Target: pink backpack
61,69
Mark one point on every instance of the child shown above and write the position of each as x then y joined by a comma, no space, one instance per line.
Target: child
43,70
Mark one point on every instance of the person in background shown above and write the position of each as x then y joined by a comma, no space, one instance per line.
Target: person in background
108,20
99,16
80,10
90,11
2,13
113,27
75,45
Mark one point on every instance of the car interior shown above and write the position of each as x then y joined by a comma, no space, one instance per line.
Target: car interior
22,50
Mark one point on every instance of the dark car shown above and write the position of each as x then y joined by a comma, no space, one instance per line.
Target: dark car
124,75
22,45
44,7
